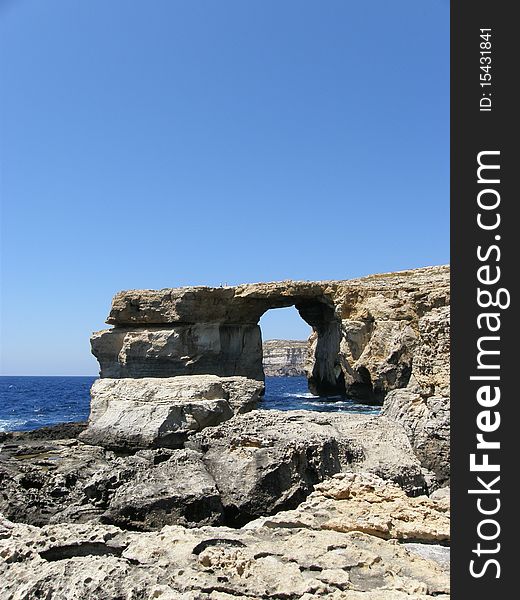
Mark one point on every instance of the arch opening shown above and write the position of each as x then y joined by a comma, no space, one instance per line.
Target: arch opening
323,370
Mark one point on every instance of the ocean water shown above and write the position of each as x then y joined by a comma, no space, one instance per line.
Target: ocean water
292,393
28,403
32,402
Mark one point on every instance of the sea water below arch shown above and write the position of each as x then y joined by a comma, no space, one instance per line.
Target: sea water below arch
292,393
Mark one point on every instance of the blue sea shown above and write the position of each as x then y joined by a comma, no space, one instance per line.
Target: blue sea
32,402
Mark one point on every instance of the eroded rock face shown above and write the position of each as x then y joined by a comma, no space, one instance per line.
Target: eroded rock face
431,364
280,456
364,502
423,407
81,562
163,412
366,331
285,358
157,490
255,464
194,349
427,423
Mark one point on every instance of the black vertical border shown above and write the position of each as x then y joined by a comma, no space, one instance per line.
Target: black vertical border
473,131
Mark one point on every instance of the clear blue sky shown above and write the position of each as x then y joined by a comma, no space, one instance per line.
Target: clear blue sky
166,143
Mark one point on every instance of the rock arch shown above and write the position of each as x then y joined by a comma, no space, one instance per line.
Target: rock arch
194,331
366,332
323,370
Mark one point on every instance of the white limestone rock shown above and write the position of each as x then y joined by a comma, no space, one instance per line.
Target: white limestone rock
162,412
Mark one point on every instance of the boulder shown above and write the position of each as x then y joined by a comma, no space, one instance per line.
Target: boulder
147,496
152,412
267,461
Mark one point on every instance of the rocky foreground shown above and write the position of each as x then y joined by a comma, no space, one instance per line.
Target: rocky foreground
356,536
264,505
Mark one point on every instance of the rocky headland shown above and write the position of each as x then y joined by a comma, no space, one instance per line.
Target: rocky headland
179,486
285,358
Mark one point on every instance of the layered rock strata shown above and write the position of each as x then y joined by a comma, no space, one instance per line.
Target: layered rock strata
285,358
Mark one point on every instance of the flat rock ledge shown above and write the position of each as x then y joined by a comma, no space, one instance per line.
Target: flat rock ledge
326,549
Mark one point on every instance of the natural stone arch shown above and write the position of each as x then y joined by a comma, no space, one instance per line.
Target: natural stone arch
378,322
214,331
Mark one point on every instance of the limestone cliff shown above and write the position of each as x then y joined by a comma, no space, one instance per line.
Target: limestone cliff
285,358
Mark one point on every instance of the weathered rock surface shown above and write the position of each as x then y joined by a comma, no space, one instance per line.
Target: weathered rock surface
65,481
80,562
39,479
177,489
431,363
423,407
427,423
195,349
398,342
255,464
285,358
364,502
153,412
280,456
436,552
342,542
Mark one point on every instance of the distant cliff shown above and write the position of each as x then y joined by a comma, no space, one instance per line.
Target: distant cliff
284,358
